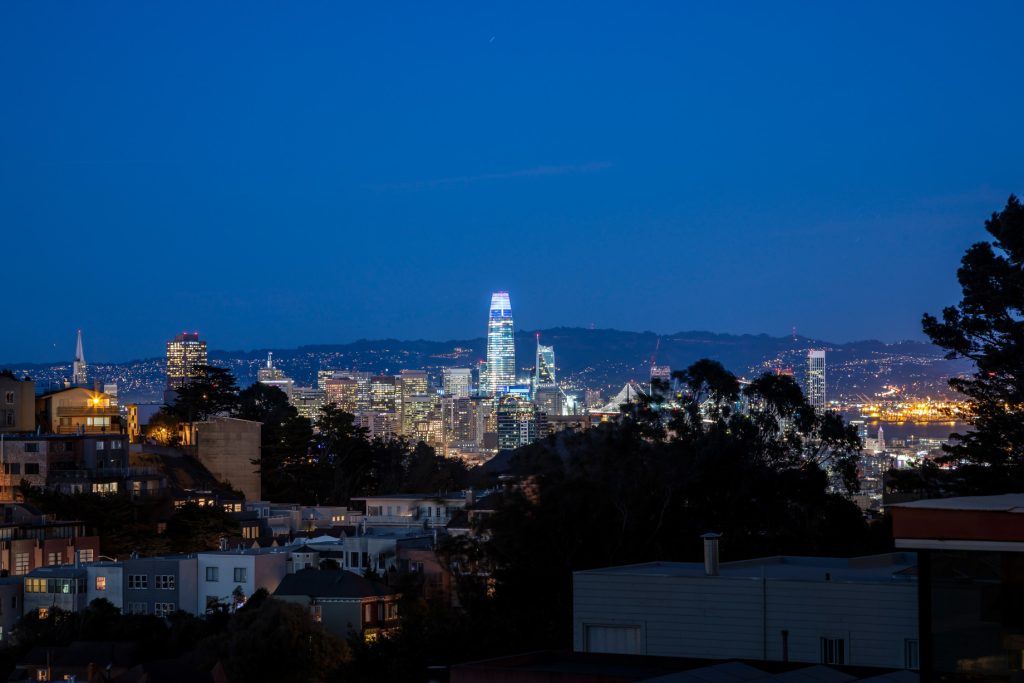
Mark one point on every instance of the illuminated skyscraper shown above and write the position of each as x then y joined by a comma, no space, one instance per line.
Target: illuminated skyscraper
544,368
457,382
501,344
816,378
275,377
185,355
79,370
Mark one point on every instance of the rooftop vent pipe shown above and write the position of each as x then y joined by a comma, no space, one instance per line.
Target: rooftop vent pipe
711,553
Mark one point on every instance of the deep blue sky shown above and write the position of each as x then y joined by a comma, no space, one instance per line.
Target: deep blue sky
274,174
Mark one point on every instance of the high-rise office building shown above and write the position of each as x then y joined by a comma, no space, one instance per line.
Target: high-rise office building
275,377
816,378
457,382
518,422
544,368
501,344
343,392
79,370
385,394
186,354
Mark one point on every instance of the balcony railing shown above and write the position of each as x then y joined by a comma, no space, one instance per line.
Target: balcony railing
86,409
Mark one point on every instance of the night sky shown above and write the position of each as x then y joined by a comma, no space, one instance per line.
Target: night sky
276,174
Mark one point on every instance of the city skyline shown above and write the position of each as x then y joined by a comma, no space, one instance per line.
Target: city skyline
754,186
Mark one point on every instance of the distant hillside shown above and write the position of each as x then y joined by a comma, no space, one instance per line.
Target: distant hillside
602,359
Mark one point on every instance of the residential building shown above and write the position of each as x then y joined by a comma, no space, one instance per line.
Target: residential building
78,411
501,345
17,404
228,577
60,587
27,545
67,463
138,417
412,509
378,548
186,355
858,611
104,580
230,449
162,585
971,581
342,601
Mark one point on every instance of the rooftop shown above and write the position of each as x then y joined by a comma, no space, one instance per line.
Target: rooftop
331,583
1008,502
873,568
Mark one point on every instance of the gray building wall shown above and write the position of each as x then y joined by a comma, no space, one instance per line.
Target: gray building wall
182,596
728,617
227,447
11,604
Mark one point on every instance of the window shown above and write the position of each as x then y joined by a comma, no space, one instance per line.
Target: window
10,398
380,611
86,555
250,532
314,612
97,422
213,573
164,609
31,448
12,468
9,417
392,610
44,612
354,560
137,608
20,563
164,582
833,651
240,574
138,582
101,445
35,585
31,468
101,583
53,558
367,614
911,653
69,446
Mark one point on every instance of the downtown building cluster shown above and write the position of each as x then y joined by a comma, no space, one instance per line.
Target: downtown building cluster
469,412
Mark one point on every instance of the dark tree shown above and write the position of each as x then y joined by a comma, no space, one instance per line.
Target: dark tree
215,391
987,327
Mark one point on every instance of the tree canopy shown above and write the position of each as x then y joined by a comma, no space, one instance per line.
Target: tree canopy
987,327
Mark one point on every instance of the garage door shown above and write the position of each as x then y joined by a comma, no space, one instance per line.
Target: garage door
620,640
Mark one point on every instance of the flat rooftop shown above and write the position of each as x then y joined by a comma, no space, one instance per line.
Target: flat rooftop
1008,502
871,569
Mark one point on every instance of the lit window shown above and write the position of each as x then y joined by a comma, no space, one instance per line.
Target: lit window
86,555
44,612
101,583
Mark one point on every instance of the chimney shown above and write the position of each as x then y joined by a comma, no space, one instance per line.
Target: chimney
711,553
